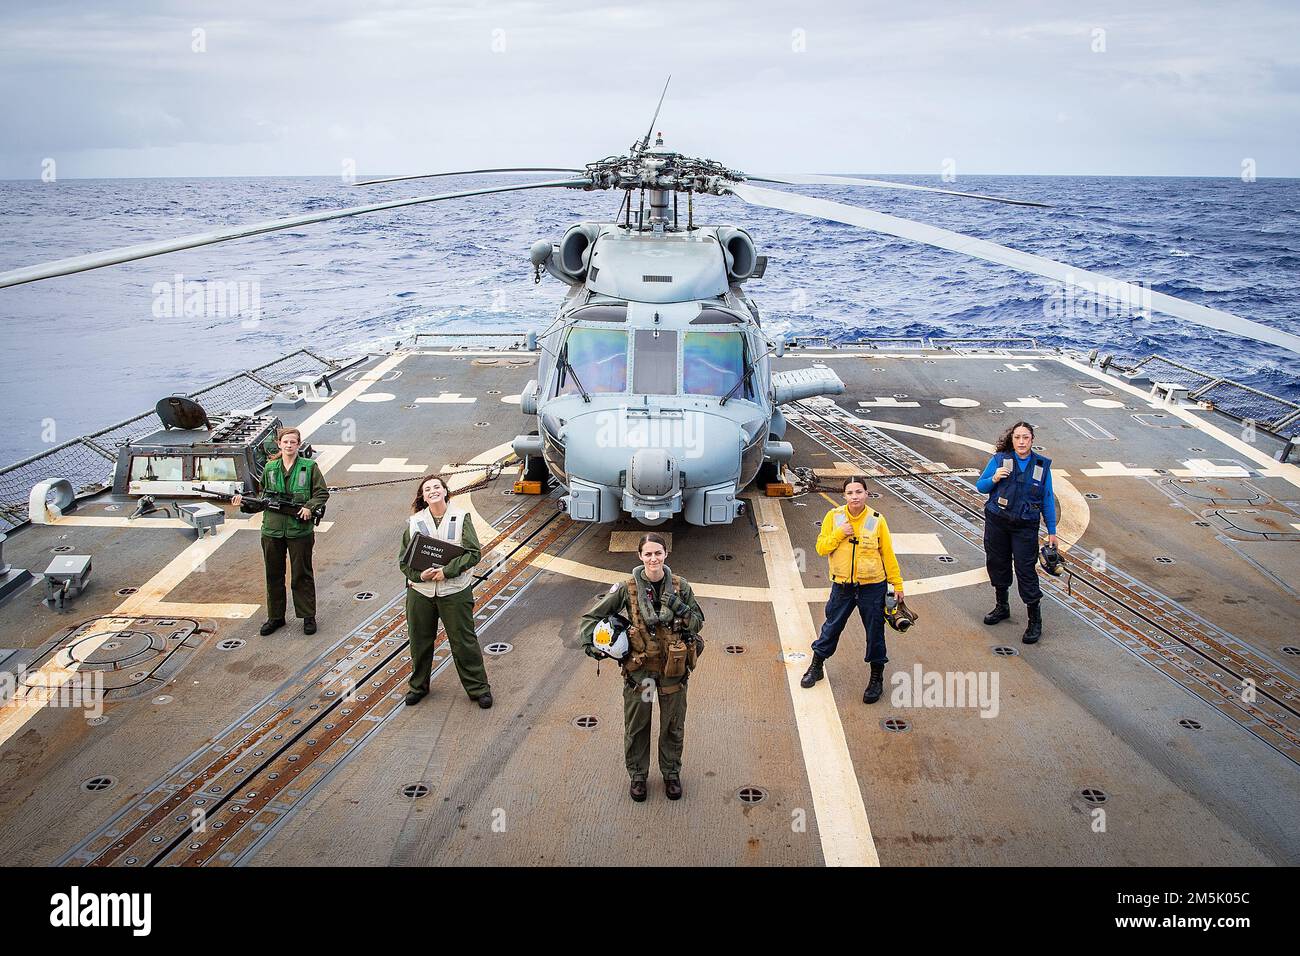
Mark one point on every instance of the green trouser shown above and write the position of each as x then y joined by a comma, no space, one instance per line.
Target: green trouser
301,578
636,724
457,614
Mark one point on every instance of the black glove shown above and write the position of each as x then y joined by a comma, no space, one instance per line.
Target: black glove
590,651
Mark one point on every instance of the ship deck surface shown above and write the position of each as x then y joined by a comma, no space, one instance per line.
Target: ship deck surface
1156,723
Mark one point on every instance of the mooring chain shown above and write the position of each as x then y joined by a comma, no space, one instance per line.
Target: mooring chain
492,469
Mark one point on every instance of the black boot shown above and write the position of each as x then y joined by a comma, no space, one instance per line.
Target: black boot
1001,610
875,686
1035,629
815,672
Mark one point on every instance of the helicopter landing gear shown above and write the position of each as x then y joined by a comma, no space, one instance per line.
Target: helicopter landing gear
769,473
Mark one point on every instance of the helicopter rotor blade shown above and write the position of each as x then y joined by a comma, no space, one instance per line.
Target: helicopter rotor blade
470,172
797,179
97,260
1094,282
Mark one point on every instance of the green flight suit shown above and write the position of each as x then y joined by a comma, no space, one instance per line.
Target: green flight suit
456,611
285,535
642,686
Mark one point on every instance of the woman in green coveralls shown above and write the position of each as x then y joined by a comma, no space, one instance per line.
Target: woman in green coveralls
445,594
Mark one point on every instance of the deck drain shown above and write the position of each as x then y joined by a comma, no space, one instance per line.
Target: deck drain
723,557
932,425
735,648
896,725
1201,524
873,494
363,596
61,549
1003,651
96,721
1091,495
231,644
751,795
494,391
481,424
945,559
901,395
1164,559
1196,449
163,699
1189,724
997,411
414,791
123,592
1093,795
98,784
376,441
411,405
498,648
586,721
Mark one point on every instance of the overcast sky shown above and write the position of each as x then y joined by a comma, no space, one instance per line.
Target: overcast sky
168,88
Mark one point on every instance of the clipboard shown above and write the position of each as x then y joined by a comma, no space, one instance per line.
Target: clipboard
426,552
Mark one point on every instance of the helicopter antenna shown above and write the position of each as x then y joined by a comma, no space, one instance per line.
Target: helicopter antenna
641,147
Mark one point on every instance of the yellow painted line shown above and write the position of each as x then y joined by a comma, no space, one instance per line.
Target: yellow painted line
842,821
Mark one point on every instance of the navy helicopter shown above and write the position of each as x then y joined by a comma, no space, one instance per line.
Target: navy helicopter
655,394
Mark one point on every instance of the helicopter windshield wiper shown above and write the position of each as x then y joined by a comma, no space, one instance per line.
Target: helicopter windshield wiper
749,371
567,366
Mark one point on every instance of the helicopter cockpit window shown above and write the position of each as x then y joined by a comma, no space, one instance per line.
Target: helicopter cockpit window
712,362
594,360
602,313
655,368
710,316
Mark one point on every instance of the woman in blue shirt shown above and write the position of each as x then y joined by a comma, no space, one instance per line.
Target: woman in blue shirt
1018,482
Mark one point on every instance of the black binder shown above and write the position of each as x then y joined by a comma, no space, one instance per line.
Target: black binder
425,552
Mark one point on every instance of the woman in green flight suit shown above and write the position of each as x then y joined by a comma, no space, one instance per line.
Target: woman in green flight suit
663,645
445,593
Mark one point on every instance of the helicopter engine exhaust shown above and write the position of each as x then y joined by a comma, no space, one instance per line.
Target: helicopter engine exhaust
739,253
575,248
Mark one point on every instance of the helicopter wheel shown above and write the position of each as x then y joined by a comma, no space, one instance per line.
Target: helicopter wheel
535,469
769,473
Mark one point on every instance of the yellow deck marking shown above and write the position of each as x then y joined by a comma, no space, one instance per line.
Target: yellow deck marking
842,821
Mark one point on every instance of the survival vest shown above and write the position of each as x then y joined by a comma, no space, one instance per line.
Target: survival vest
658,649
1019,496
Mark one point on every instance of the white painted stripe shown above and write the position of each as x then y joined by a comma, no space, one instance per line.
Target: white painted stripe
1270,469
14,715
1034,403
1117,469
394,465
842,821
917,543
446,398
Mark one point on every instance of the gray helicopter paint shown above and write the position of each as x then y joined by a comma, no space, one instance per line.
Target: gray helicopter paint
657,452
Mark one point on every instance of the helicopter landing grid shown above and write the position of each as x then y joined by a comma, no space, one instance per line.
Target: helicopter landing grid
1122,738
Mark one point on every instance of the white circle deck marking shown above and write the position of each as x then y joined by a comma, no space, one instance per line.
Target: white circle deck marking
510,399
959,402
376,397
1102,403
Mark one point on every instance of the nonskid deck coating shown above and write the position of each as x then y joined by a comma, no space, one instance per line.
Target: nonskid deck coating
522,784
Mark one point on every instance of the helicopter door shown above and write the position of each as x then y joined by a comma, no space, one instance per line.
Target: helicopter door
654,363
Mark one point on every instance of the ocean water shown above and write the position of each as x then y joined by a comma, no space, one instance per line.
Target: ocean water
83,351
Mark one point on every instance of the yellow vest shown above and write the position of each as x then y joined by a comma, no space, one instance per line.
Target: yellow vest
869,561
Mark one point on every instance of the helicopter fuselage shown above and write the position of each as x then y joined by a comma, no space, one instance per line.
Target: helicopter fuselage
655,394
